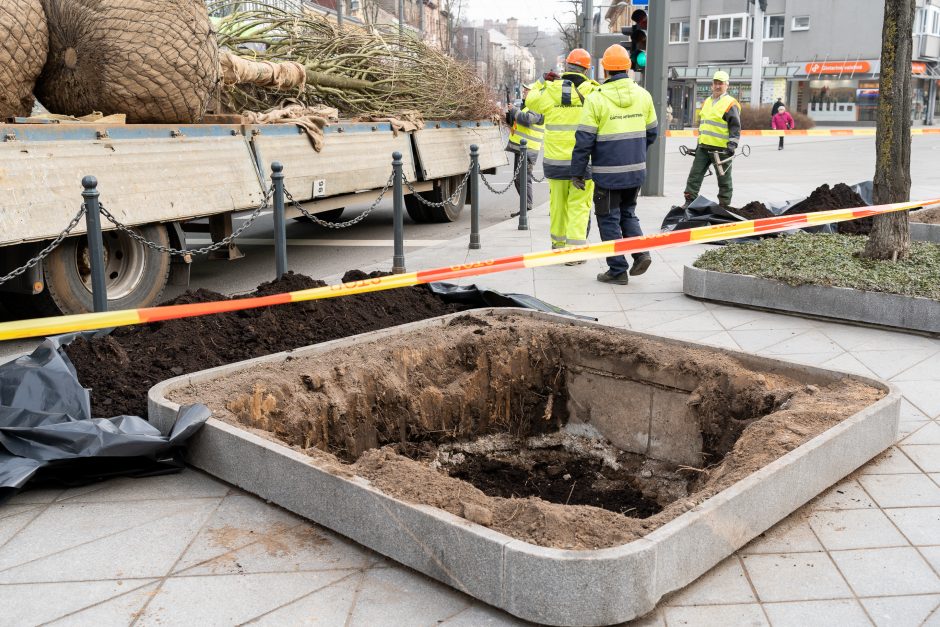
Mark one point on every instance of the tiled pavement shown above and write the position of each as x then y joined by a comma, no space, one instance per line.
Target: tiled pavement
189,550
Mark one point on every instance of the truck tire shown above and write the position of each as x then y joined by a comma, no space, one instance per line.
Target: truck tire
333,215
443,189
135,274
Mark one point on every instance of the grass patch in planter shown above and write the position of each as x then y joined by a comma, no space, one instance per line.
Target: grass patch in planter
830,260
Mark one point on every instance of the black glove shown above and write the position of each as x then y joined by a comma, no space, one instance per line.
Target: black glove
578,182
732,146
511,116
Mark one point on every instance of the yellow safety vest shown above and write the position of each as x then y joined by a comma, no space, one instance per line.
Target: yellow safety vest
712,128
533,135
562,104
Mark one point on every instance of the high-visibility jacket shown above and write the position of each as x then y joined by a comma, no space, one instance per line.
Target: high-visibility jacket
561,102
617,125
719,122
530,126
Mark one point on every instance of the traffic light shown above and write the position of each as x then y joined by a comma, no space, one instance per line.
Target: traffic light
637,44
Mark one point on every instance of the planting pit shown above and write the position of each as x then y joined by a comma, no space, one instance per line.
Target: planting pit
565,456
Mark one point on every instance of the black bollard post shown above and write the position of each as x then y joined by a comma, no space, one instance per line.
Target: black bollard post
523,185
280,233
474,197
99,288
398,255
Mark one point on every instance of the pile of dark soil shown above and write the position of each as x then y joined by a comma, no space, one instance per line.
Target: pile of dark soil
754,211
121,367
926,216
840,196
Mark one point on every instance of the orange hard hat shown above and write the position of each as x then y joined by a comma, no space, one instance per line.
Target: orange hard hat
579,56
616,58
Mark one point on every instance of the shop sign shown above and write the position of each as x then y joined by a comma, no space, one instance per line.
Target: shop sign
918,68
839,67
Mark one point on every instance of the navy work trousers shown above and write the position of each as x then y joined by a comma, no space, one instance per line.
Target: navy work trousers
620,222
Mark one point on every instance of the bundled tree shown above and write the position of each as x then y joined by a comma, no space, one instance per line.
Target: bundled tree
891,233
156,61
24,41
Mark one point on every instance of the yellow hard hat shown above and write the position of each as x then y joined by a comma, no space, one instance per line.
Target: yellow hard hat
722,76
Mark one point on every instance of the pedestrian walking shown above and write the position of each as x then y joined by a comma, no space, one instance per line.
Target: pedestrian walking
783,121
561,102
617,126
718,134
774,109
526,124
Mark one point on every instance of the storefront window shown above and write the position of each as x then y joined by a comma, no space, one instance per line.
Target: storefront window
835,100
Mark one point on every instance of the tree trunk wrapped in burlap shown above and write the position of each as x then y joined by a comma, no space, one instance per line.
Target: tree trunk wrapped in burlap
24,41
157,61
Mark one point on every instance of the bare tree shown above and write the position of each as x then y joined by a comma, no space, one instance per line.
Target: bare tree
891,234
370,11
569,29
455,19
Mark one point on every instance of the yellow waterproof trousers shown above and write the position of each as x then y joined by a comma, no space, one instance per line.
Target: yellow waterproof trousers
570,212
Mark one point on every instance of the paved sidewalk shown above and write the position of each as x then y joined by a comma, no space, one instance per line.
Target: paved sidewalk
189,550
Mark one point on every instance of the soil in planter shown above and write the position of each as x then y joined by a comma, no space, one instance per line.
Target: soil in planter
551,433
839,196
754,211
926,216
121,367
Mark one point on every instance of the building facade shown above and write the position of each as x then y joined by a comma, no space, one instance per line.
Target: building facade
821,57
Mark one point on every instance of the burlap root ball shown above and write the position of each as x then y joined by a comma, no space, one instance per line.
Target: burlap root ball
24,41
157,61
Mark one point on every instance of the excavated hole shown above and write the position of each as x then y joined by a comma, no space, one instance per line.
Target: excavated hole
522,411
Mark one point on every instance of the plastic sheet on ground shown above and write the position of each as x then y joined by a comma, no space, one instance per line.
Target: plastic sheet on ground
475,297
705,212
48,435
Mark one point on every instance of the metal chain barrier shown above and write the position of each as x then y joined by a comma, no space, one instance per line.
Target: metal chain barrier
193,251
448,201
511,181
340,225
45,252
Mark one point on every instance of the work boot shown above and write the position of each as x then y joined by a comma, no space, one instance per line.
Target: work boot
641,263
688,199
616,279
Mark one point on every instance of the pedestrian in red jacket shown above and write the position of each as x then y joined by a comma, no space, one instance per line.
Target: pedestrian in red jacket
783,121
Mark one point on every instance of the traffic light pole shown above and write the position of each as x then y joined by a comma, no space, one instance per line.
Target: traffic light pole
757,52
655,79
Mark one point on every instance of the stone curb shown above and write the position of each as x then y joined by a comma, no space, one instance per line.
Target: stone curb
840,303
921,232
549,586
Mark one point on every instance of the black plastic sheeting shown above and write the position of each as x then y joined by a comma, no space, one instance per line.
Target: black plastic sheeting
704,212
48,436
475,297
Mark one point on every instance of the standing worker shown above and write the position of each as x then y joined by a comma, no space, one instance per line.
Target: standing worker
529,126
783,121
561,102
719,131
617,126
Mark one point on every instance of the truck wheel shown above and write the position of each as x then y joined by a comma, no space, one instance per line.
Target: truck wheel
443,189
333,215
135,274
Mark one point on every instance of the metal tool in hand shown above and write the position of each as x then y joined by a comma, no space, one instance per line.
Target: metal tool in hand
717,161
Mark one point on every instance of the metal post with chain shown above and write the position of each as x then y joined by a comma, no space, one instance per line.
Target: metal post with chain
509,185
398,255
474,197
523,174
280,233
99,288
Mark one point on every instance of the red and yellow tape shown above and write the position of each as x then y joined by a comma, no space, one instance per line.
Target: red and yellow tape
812,132
91,321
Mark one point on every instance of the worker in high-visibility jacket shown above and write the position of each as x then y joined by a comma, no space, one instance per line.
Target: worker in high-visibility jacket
617,126
561,102
529,126
719,131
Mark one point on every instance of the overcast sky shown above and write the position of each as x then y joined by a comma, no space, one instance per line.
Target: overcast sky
537,12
